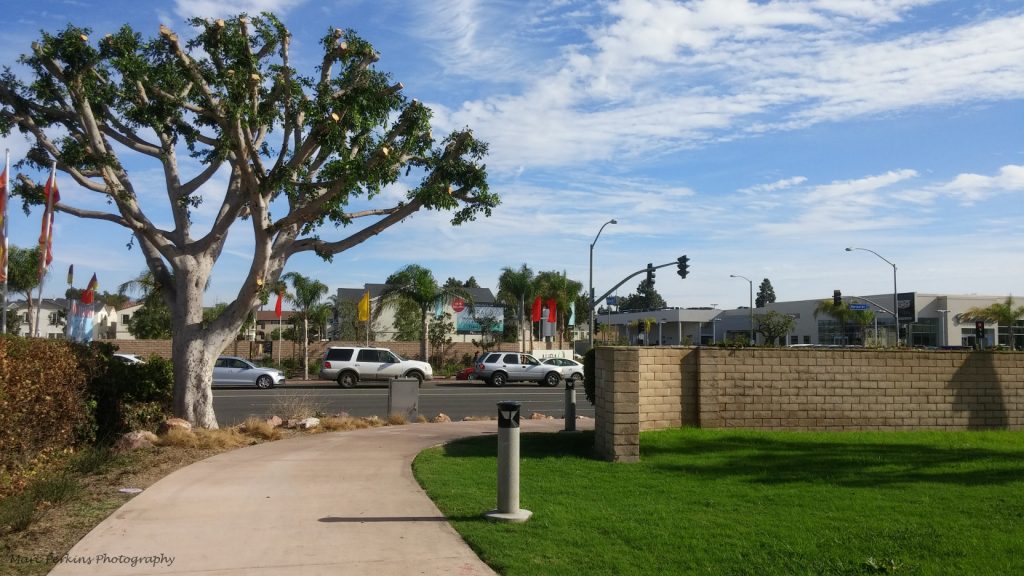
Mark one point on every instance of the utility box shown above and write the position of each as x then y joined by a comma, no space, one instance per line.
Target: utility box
404,398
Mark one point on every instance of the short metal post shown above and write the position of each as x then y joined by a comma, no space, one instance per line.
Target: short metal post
570,405
508,466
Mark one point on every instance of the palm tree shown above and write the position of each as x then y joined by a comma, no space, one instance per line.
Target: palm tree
514,288
1002,313
840,312
306,297
416,284
23,275
555,286
863,318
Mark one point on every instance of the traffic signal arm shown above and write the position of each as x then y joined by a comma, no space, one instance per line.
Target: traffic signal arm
601,298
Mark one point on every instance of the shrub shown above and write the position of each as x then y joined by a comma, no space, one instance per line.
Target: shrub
16,513
128,396
259,428
44,408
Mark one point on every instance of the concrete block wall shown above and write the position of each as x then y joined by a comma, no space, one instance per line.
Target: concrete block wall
646,388
851,389
667,387
617,404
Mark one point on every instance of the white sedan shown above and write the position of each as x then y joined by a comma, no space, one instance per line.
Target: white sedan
571,369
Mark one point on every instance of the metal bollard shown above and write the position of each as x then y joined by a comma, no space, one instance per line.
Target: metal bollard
570,406
508,466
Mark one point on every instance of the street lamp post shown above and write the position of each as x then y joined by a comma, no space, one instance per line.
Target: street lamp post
751,282
942,337
895,293
593,305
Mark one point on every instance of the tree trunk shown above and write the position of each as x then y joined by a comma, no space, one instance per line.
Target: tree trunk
194,349
423,340
305,346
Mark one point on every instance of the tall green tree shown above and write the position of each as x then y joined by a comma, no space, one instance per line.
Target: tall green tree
765,294
645,298
306,296
515,287
230,97
417,285
1005,314
23,278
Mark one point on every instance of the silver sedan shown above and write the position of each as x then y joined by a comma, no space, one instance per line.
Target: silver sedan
234,371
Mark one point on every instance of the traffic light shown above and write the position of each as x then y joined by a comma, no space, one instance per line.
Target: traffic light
650,274
979,329
684,265
837,298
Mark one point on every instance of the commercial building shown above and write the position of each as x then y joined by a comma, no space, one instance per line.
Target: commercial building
930,320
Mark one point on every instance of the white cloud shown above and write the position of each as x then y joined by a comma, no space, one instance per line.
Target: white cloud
663,76
971,188
208,8
775,186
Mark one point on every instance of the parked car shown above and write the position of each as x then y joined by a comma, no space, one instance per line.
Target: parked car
465,373
234,371
571,369
349,365
128,358
498,368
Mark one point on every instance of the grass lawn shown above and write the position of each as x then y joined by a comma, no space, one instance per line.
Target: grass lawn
746,502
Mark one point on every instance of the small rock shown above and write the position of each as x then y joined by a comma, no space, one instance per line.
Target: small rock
274,421
539,416
308,423
172,423
440,418
135,440
342,415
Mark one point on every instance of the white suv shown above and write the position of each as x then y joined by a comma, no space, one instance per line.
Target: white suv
348,365
498,368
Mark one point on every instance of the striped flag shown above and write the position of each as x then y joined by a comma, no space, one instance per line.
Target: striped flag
46,233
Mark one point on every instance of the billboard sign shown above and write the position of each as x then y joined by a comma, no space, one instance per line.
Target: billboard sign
907,307
466,321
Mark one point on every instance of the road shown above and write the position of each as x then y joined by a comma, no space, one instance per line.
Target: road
455,398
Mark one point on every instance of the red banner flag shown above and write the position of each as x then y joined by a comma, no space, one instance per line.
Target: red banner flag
277,307
535,317
90,291
551,310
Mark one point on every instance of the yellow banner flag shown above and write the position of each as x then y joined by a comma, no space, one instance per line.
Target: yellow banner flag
364,307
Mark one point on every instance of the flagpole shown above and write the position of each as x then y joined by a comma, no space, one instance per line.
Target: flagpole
3,248
67,303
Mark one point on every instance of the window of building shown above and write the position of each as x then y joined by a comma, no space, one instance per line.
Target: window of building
125,318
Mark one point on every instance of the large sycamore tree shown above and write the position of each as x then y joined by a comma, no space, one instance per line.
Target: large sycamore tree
305,156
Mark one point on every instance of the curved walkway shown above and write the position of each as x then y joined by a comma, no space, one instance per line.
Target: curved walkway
325,504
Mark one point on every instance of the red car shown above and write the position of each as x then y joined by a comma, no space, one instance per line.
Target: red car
464,373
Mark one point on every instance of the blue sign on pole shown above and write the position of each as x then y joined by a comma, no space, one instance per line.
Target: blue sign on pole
858,306
612,301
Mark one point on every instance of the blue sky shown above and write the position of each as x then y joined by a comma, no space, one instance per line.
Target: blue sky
758,138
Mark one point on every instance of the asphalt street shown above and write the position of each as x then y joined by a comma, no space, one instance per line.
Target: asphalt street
457,399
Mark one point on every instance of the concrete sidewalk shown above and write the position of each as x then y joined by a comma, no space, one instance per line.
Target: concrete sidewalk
331,503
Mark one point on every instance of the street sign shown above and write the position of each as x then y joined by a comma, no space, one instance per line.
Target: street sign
858,306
